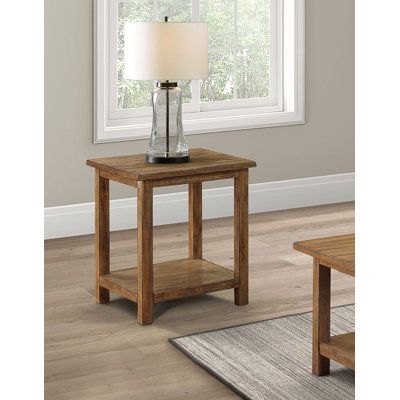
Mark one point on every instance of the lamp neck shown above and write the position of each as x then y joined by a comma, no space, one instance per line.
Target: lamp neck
167,84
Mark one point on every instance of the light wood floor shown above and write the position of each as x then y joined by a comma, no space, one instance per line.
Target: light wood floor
99,352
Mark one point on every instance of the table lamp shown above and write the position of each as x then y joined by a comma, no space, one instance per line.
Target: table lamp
166,52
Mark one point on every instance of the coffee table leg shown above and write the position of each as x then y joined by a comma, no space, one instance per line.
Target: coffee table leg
102,236
321,316
195,221
241,239
145,251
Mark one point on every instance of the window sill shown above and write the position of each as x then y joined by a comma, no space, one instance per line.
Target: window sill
200,125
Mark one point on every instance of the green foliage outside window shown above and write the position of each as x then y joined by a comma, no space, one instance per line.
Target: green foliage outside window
238,48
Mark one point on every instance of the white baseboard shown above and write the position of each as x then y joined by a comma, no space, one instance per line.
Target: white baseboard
78,219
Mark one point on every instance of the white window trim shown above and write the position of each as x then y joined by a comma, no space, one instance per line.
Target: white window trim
288,110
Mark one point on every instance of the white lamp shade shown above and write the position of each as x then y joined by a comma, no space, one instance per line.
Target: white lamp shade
166,50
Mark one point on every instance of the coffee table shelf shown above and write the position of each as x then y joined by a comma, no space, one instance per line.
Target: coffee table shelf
340,348
173,280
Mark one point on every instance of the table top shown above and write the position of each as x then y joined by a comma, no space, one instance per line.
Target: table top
202,161
336,252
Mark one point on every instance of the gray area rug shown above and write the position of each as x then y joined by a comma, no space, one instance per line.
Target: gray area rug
272,359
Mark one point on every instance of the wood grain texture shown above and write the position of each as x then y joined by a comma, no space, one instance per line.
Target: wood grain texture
201,162
118,178
123,282
145,252
321,316
241,239
212,176
102,229
195,221
340,348
336,252
173,280
98,352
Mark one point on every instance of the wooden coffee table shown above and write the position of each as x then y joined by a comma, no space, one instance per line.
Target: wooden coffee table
147,284
335,252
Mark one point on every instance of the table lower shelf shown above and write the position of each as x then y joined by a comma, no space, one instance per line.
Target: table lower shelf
340,348
173,280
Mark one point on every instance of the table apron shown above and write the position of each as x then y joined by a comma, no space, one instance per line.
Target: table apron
118,178
183,180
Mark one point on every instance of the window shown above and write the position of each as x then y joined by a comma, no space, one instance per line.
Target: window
256,66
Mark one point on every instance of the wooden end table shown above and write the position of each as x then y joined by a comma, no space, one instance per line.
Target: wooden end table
335,252
147,284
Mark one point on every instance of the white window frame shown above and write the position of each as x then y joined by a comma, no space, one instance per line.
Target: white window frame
285,106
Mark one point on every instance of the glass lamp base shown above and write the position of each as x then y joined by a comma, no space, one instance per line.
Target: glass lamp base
166,160
167,143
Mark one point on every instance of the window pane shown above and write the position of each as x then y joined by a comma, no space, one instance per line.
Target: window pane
132,93
219,14
236,22
175,10
220,83
252,73
239,35
253,22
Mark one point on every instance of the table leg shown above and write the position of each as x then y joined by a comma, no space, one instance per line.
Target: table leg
145,251
102,205
195,221
321,316
241,239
